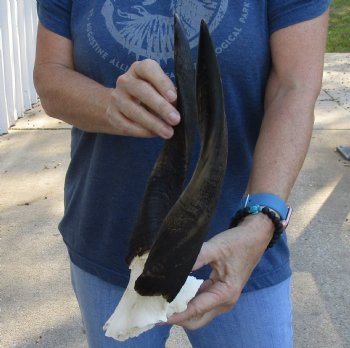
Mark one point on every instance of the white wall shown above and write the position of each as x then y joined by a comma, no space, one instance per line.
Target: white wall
18,23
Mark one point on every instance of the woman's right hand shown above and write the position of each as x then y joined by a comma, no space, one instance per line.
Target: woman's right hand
142,104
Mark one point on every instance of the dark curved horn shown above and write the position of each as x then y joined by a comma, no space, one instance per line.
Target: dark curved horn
166,180
184,229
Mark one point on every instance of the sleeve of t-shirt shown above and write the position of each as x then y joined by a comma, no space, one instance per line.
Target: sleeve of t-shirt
283,13
55,15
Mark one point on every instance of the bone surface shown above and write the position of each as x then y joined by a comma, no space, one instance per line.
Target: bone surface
136,314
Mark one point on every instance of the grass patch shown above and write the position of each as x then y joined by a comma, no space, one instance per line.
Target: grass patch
339,27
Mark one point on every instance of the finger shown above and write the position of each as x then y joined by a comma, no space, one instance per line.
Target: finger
207,284
126,127
127,106
203,308
149,96
197,307
149,70
218,295
200,321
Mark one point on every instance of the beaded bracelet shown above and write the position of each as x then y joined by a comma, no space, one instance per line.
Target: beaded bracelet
256,209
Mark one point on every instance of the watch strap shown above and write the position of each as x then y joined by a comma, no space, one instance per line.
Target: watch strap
268,200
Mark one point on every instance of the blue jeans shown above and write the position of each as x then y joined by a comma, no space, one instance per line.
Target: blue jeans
260,319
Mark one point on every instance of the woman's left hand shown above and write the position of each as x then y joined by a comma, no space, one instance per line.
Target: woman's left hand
232,255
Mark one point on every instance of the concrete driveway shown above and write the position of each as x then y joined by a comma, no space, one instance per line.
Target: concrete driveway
38,308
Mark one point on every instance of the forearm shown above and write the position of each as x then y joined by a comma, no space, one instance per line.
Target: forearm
280,150
70,96
292,89
291,92
283,142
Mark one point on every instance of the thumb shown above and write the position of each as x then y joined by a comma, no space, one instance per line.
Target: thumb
205,256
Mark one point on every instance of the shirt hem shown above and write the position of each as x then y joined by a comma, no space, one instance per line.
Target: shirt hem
106,274
268,279
117,278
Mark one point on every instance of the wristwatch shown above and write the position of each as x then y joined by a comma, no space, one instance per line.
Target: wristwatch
270,201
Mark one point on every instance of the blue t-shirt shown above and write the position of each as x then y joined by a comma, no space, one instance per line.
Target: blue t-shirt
107,174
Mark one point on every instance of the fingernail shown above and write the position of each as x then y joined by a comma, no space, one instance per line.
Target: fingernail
171,95
174,117
167,132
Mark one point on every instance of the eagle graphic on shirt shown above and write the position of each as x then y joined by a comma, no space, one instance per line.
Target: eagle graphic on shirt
145,27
